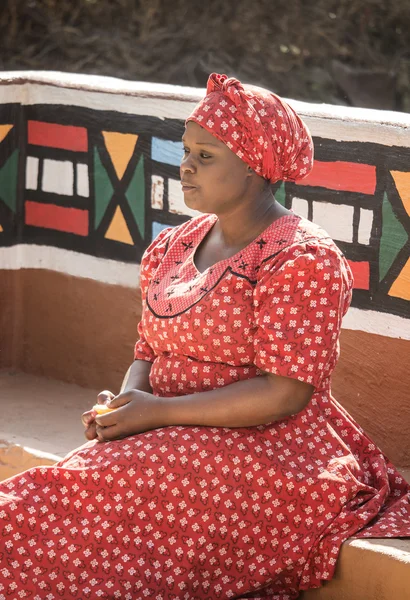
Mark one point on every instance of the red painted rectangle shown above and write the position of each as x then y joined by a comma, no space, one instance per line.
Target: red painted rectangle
361,274
61,218
346,176
54,135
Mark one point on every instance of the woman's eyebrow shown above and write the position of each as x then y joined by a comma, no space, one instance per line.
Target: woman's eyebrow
202,143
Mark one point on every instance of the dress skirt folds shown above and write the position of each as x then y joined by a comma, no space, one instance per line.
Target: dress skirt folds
201,513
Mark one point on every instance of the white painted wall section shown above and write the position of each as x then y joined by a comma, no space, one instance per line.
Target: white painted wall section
300,207
31,256
365,226
58,177
83,187
336,219
32,172
341,123
157,192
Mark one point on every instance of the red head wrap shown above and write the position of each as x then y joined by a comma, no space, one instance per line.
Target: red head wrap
262,129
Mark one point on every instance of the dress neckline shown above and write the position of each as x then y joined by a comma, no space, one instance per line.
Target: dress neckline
209,223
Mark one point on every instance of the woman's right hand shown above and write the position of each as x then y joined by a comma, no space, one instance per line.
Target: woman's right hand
88,418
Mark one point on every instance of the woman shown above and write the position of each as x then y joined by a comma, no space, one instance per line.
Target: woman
239,473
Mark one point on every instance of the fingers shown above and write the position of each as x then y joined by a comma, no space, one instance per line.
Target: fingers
87,418
114,425
108,419
123,419
102,433
107,434
88,421
94,429
120,400
104,397
91,431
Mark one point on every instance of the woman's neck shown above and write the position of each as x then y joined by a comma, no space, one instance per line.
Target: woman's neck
245,223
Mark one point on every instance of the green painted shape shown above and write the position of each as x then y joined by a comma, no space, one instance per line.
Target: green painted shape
136,196
8,181
392,240
280,194
103,189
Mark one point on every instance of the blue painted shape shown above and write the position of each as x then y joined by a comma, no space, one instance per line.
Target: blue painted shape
157,228
166,151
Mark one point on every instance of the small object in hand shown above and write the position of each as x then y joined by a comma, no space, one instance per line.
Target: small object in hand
102,409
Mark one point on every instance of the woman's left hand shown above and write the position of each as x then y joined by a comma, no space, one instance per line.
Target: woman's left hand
136,411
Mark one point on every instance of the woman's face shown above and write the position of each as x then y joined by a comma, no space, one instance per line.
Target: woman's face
214,179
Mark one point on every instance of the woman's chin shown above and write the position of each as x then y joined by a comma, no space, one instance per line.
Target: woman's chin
192,202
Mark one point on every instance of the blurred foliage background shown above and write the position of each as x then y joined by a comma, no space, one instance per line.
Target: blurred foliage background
353,52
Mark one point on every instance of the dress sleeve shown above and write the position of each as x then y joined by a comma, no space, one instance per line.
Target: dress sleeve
299,305
149,264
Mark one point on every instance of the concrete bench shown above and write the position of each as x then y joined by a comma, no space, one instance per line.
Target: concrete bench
371,569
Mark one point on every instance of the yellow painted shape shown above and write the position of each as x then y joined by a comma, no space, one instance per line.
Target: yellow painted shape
4,129
402,181
118,229
401,286
120,147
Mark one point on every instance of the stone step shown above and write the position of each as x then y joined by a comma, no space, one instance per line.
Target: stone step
371,569
15,459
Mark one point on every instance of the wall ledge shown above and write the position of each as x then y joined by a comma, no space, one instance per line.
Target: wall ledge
112,272
70,262
395,126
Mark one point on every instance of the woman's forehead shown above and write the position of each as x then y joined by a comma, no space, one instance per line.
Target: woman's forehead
198,135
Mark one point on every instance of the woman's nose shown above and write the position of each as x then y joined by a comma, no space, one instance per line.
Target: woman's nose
187,164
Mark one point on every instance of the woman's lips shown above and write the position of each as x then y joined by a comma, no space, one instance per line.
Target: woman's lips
186,187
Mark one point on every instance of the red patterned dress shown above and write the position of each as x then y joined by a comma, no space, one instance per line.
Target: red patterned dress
201,513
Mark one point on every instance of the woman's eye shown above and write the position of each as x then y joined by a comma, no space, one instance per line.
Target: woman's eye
202,155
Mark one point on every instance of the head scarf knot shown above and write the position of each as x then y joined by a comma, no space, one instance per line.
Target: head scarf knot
228,85
261,128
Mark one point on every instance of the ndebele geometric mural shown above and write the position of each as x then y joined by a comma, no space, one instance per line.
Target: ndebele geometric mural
105,183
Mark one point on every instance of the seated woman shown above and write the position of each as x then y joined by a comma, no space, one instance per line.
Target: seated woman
227,468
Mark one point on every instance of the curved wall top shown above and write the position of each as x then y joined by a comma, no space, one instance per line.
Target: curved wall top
89,174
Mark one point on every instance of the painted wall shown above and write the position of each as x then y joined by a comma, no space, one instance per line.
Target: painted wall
89,175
